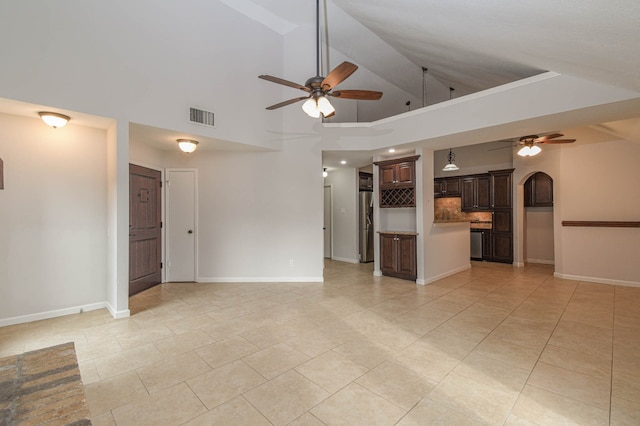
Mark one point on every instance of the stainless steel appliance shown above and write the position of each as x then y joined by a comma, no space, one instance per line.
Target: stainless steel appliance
476,244
365,215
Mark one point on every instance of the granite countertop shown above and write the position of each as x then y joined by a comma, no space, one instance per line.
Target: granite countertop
398,232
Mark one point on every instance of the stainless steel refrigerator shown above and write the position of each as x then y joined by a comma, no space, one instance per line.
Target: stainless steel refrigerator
366,226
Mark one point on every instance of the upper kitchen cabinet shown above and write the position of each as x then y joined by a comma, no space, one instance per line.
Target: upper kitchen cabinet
476,193
397,182
365,181
447,187
501,189
538,191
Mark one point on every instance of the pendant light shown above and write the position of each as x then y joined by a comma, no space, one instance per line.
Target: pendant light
451,165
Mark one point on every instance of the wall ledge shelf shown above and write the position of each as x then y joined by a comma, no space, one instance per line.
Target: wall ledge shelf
601,224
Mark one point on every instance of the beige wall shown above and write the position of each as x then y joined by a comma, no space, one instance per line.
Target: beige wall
595,179
53,219
539,235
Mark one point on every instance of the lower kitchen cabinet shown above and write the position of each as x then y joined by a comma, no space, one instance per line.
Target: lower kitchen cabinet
398,255
502,236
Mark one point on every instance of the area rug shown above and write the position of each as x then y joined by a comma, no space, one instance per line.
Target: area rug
43,387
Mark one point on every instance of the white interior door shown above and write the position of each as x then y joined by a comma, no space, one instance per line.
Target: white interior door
181,225
327,222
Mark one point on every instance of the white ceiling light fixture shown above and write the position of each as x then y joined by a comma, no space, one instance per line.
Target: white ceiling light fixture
316,105
187,145
451,165
54,119
324,173
529,151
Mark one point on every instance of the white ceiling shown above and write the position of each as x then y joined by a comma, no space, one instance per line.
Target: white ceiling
473,45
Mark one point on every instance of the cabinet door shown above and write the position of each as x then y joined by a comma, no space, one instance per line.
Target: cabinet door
468,194
483,193
502,221
486,245
406,266
387,175
451,187
542,190
501,190
387,253
501,248
405,173
438,187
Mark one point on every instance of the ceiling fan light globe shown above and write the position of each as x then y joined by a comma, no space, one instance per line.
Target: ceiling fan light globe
311,108
325,106
525,151
534,150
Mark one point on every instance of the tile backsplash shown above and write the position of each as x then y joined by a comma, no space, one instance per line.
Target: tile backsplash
450,208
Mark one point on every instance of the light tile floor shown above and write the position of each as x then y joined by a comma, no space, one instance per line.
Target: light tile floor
491,345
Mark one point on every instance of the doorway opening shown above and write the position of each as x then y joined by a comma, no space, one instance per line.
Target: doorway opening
538,220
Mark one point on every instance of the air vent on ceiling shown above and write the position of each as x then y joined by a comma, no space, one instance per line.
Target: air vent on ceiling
200,116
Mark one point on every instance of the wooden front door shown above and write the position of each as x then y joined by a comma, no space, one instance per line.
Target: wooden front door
145,225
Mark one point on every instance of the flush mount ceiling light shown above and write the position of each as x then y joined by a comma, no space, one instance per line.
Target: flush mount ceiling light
451,165
54,119
187,145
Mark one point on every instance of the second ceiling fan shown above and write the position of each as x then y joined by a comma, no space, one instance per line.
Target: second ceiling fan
318,87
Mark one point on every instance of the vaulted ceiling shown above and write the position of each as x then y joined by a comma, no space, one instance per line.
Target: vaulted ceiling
473,45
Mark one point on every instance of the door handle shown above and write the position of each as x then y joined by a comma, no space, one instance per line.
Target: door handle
190,231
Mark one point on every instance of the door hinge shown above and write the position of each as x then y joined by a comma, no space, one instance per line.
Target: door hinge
160,224
160,265
160,182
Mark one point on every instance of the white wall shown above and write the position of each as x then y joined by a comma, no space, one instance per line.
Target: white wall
344,184
53,219
145,62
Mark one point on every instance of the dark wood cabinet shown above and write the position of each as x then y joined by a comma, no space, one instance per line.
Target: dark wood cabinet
501,189
397,179
399,175
476,193
538,191
365,181
502,216
398,255
447,187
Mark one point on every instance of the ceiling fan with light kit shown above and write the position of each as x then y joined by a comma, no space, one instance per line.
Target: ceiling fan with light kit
529,144
318,88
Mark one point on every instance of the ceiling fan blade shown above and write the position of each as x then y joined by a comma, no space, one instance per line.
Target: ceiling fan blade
502,147
284,82
365,95
285,103
547,137
338,75
560,141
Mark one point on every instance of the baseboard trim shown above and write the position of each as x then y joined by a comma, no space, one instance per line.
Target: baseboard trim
597,280
345,259
260,279
540,261
52,314
118,314
430,280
